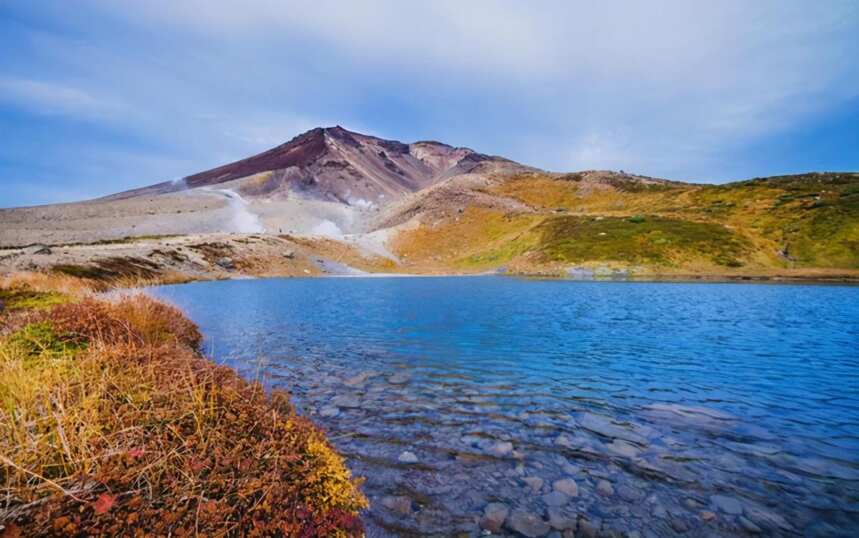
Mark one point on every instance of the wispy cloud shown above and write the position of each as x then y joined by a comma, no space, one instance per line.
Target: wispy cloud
52,98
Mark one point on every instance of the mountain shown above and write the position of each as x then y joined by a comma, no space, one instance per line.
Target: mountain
427,207
338,165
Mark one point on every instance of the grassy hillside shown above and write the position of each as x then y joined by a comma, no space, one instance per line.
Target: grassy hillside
790,223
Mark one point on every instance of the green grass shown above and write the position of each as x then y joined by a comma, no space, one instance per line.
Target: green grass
25,299
41,340
641,240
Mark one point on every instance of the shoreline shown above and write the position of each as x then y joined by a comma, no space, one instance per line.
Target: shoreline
133,397
142,260
643,278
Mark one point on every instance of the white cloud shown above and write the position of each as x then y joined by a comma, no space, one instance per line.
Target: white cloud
55,98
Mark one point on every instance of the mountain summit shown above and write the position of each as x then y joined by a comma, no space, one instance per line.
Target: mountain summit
334,164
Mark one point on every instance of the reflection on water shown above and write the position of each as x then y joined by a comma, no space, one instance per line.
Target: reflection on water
494,404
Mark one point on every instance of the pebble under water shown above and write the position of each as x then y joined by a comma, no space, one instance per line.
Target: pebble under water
480,405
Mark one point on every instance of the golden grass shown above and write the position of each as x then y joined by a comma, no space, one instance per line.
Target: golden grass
48,282
458,244
112,423
784,226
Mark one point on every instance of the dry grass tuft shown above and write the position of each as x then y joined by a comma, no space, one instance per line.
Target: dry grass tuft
111,423
49,282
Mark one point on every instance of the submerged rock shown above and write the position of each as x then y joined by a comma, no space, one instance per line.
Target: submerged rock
560,521
407,457
528,524
623,448
607,428
749,526
329,411
400,378
566,486
605,488
349,402
359,379
500,448
556,498
494,515
728,505
534,482
399,504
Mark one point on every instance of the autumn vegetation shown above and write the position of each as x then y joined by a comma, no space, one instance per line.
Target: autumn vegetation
112,423
791,226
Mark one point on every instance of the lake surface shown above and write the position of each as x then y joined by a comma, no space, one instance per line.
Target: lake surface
650,409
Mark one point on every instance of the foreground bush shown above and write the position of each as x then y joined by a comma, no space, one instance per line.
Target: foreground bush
111,423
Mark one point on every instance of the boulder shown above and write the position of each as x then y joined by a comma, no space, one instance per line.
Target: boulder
226,263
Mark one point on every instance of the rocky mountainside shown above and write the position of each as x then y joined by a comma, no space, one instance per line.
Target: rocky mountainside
334,164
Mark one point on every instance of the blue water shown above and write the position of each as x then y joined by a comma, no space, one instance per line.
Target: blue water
678,395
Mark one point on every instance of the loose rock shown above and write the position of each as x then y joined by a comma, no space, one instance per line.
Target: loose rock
226,263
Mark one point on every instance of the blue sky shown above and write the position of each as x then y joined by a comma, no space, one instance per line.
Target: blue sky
98,96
